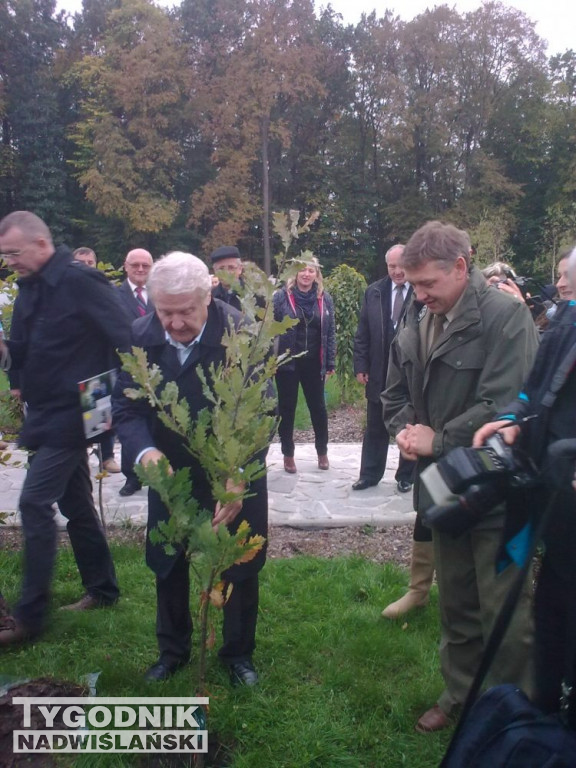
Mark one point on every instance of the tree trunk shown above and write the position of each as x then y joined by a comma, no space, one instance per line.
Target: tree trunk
264,127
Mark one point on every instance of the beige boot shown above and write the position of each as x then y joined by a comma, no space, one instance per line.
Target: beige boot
421,575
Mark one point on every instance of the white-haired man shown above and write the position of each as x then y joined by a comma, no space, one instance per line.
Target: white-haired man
186,333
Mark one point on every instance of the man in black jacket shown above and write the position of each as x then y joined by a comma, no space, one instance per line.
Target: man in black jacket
67,323
184,335
136,302
384,303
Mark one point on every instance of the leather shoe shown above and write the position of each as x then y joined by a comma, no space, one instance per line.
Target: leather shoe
361,484
323,462
130,487
111,466
243,673
162,671
404,486
17,633
86,603
433,720
289,465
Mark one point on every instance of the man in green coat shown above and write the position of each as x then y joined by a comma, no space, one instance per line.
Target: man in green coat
462,353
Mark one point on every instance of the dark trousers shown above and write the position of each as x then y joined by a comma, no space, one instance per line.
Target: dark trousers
375,449
174,622
107,445
127,468
307,372
60,475
555,638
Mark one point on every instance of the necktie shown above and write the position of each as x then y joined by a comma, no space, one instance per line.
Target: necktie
398,304
438,328
142,307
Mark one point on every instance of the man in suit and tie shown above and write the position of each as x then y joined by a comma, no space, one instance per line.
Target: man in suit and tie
136,302
384,303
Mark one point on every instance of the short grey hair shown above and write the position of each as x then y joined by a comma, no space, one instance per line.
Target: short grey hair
572,268
177,273
28,223
439,242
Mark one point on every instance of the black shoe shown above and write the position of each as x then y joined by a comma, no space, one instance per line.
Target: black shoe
362,484
243,673
404,486
130,487
162,671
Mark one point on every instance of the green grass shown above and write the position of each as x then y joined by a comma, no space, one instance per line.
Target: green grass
340,687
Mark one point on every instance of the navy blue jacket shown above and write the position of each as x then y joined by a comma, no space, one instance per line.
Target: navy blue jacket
139,427
66,326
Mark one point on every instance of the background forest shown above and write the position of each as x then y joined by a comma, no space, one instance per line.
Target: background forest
131,125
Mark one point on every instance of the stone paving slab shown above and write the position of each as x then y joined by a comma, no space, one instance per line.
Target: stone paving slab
312,498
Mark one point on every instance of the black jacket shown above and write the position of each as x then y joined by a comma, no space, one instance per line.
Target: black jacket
374,335
138,426
67,324
284,307
129,302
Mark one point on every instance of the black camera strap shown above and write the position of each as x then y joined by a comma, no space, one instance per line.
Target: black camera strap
501,624
562,373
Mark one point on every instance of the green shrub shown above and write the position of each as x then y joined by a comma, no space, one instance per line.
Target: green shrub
346,286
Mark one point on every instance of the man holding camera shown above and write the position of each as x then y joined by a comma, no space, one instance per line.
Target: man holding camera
462,352
549,395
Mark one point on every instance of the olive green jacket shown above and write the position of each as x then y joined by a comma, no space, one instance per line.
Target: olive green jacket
478,365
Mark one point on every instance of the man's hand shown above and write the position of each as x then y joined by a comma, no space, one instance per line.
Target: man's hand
362,378
510,434
509,286
420,440
225,513
329,373
153,456
404,445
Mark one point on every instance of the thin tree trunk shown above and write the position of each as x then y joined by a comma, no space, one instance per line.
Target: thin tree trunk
264,126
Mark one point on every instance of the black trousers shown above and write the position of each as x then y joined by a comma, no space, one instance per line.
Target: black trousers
174,622
555,638
307,372
60,475
375,449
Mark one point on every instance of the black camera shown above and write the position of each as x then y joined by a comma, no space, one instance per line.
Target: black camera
469,482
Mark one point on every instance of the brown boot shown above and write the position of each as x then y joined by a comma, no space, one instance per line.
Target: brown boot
290,465
323,462
421,575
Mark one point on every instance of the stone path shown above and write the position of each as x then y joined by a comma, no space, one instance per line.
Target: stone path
312,498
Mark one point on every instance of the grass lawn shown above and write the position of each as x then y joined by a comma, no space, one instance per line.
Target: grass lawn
340,687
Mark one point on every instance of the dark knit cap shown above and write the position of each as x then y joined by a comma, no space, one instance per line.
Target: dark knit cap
225,252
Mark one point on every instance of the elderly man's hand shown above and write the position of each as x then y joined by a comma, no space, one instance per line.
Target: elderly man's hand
362,378
225,513
153,456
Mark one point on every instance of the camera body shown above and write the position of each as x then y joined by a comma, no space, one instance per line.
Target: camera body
469,482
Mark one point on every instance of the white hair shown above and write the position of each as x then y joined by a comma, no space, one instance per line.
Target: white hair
179,272
398,246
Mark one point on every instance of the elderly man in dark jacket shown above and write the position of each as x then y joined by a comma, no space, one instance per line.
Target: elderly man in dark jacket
463,350
185,334
67,324
383,305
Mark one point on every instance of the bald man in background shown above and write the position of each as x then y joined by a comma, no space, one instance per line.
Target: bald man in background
136,302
